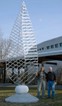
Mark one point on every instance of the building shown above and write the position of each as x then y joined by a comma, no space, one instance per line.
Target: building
52,44
50,53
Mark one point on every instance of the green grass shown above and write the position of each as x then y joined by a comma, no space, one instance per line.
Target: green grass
5,92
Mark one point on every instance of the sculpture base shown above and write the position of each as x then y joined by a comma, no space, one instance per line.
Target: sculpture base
22,97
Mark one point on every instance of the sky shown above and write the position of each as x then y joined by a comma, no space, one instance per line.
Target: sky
45,15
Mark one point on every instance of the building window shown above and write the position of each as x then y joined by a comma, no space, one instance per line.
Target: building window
39,49
52,46
56,45
42,48
48,47
60,44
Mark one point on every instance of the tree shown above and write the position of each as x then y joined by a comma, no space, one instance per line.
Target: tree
4,47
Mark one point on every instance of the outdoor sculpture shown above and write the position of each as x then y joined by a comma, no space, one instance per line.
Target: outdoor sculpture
22,56
22,59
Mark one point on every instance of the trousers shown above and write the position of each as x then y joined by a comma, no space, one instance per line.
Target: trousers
41,85
51,87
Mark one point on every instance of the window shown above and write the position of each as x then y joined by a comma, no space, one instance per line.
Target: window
56,45
42,48
39,49
52,46
48,47
60,44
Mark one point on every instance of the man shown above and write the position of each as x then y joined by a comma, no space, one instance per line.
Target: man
51,79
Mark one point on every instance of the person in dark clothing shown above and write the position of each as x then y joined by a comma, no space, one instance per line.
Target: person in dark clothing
51,79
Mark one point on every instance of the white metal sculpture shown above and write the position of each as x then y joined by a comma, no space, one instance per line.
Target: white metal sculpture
22,57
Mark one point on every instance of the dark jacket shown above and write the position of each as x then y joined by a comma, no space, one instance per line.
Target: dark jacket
51,76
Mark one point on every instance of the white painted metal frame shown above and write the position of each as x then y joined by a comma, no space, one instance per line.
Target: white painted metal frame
22,59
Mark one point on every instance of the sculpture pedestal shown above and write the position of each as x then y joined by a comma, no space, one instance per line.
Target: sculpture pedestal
22,95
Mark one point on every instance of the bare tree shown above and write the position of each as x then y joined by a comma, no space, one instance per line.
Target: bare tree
4,46
1,44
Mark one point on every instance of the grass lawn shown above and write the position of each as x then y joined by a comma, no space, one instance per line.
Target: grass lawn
5,92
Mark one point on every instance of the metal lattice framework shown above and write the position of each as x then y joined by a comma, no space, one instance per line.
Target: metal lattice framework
22,57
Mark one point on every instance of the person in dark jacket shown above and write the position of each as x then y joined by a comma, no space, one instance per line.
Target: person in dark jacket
51,79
